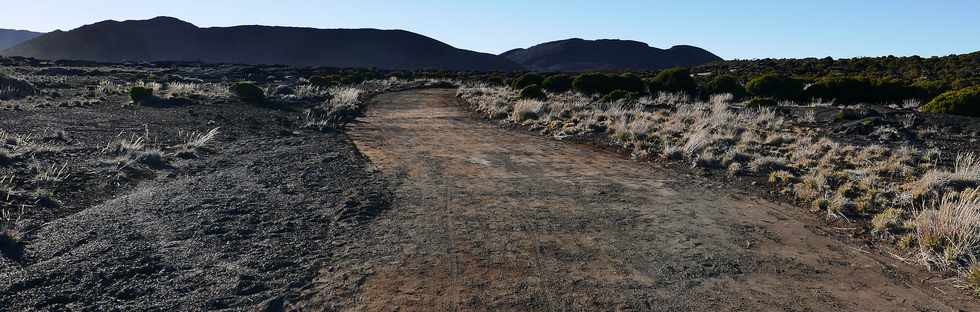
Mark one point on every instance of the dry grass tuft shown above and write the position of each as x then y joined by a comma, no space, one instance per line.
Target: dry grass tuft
950,233
195,140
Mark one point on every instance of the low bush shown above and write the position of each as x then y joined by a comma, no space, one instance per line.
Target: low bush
626,82
964,102
619,95
248,92
591,83
676,80
653,87
842,89
851,90
595,83
532,92
526,80
725,84
557,83
141,95
890,90
776,86
928,89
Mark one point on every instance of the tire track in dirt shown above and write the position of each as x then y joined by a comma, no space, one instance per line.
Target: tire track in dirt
490,219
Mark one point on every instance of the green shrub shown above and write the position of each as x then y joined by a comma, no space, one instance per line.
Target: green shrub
676,80
626,82
248,92
533,92
964,102
140,94
725,84
619,95
928,89
595,83
526,80
890,90
591,83
653,87
842,89
557,83
758,102
776,86
850,90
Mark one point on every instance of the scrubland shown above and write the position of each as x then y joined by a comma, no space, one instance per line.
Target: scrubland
888,171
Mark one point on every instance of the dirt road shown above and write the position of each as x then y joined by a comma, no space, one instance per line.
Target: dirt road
491,219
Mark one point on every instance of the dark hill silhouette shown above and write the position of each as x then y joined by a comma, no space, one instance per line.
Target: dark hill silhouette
170,39
581,55
10,37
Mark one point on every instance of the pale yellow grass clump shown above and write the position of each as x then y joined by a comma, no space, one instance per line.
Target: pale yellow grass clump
965,173
949,234
527,109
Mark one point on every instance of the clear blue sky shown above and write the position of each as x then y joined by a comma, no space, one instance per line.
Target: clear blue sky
731,29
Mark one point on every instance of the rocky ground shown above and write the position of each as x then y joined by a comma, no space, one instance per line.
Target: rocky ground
243,221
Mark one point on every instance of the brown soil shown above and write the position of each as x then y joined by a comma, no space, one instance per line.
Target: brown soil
485,218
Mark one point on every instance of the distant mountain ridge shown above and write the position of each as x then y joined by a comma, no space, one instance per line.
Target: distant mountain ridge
606,54
12,37
171,39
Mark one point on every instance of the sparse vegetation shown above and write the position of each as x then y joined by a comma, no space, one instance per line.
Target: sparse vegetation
760,102
248,92
873,172
619,95
893,190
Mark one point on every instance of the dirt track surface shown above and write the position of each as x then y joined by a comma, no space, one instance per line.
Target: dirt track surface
485,218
